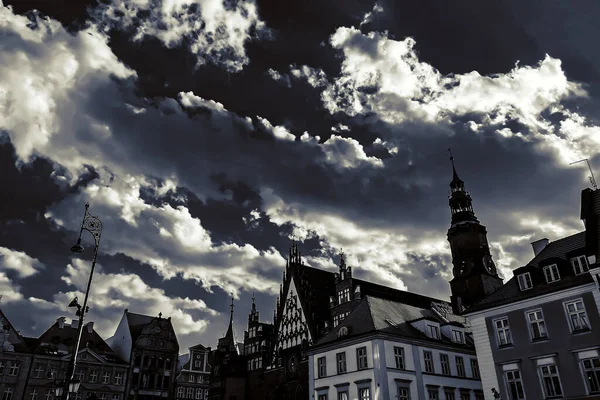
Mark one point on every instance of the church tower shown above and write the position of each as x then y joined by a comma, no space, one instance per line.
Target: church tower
474,273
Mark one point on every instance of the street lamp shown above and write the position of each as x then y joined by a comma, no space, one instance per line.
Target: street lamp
93,225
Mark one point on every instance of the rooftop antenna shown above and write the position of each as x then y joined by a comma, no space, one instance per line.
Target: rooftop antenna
592,179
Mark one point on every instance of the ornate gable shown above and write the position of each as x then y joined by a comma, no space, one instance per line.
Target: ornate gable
293,326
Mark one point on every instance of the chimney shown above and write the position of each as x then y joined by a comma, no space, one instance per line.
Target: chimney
61,322
90,327
539,245
74,323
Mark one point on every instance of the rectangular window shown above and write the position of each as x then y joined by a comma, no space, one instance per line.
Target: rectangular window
433,394
364,393
361,357
515,385
322,367
399,357
8,392
323,397
537,325
591,371
502,332
479,396
445,364
343,395
2,365
551,273
38,372
198,394
344,296
93,376
14,369
341,362
428,358
403,393
49,394
33,395
190,393
460,366
106,377
449,395
433,331
191,378
118,378
116,397
457,336
466,396
525,281
577,316
475,369
580,265
103,396
180,392
550,381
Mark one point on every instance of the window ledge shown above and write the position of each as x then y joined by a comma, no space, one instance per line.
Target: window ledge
540,339
581,330
505,346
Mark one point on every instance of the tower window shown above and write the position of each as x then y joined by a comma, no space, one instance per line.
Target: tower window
580,265
525,281
551,273
344,296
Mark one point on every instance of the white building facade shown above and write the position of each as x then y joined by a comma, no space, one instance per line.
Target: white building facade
396,360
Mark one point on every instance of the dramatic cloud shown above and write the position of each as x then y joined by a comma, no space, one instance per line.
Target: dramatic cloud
214,30
19,262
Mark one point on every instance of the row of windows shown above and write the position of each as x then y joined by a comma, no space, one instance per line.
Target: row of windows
13,367
94,376
192,378
551,273
254,331
445,365
150,381
361,361
192,393
550,382
575,313
49,394
255,363
364,393
151,362
433,332
403,393
339,318
255,347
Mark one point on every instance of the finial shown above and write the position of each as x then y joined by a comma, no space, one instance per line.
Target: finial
159,315
231,317
253,298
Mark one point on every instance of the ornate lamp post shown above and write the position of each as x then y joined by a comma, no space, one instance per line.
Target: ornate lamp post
93,225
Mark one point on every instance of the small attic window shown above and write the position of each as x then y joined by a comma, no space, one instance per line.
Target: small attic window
433,331
580,264
525,281
551,273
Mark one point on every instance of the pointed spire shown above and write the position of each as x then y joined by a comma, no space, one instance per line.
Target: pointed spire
461,205
229,334
455,179
253,302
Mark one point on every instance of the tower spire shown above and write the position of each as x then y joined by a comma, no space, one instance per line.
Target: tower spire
461,204
253,302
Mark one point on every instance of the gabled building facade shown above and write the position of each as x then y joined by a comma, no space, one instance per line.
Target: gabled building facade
386,349
149,345
101,372
193,373
538,336
15,361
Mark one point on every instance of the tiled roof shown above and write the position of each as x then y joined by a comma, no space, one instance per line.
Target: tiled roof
559,248
402,296
510,292
382,315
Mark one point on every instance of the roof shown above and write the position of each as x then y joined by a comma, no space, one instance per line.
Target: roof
402,296
382,315
560,248
14,337
510,292
136,323
61,341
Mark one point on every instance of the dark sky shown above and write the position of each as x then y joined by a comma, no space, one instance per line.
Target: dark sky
206,134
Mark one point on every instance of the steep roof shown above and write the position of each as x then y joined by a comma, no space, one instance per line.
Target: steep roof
60,341
136,323
19,343
402,296
375,314
510,291
560,248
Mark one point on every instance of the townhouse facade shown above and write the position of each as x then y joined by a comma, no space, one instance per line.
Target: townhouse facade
385,349
193,374
538,337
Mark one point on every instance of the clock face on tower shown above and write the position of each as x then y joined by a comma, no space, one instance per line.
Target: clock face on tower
489,264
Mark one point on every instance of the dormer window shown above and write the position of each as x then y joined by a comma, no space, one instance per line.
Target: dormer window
433,331
457,336
580,265
525,281
551,273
